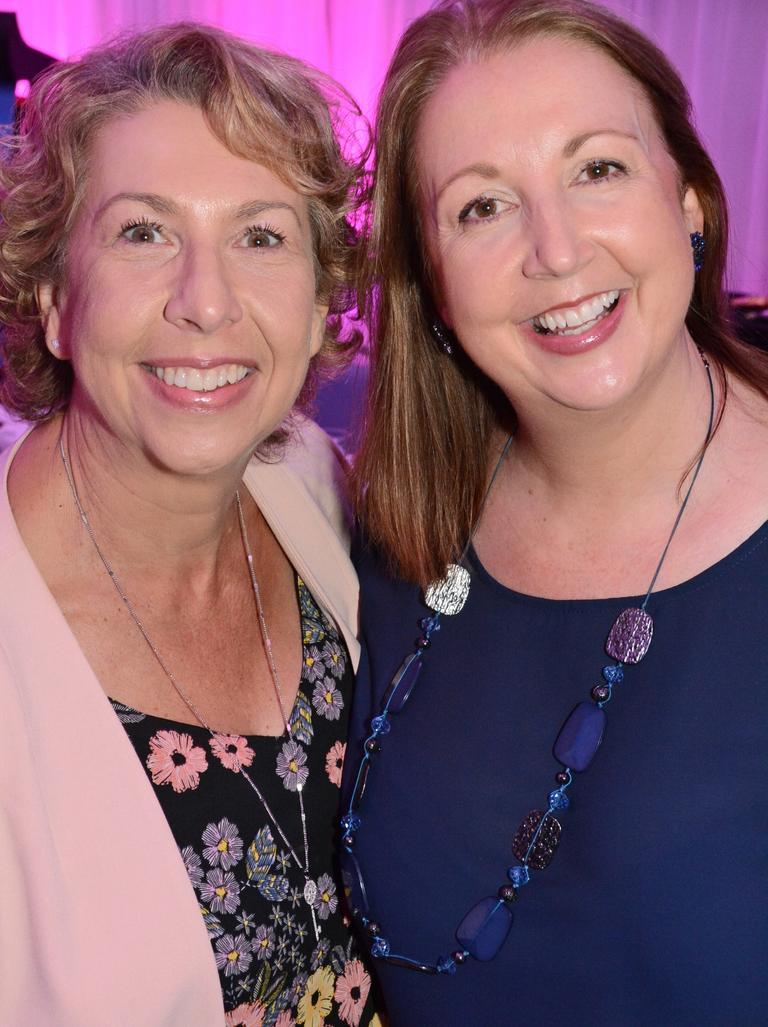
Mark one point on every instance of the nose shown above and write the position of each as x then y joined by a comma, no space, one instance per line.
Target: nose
203,298
556,244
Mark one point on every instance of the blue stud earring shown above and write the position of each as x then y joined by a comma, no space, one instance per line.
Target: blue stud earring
698,245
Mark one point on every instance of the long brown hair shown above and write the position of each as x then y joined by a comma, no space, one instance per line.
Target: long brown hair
423,465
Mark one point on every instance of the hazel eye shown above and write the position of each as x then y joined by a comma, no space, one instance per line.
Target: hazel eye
143,231
600,170
262,237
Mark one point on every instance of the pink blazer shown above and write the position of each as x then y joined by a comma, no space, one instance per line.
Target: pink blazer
99,926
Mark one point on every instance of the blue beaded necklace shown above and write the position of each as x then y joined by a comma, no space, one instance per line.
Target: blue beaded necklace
485,927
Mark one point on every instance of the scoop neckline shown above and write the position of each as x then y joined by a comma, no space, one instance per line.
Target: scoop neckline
703,579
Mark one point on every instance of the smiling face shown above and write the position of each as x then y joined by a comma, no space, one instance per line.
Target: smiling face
555,224
188,306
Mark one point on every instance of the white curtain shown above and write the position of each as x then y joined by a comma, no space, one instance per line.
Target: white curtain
719,47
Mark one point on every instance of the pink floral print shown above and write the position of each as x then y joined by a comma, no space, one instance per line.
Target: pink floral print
352,991
249,1014
334,762
174,759
233,751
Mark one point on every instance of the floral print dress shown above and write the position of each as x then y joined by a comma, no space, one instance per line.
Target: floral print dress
272,967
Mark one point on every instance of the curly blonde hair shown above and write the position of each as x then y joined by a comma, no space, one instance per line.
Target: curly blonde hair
263,106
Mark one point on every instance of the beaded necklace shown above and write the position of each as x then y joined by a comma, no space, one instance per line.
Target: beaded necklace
485,927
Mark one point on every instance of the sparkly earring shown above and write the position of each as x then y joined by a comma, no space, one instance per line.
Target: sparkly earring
55,345
698,245
442,336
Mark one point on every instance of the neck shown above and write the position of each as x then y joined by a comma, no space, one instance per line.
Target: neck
615,456
145,514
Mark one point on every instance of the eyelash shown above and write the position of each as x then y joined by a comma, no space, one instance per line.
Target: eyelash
143,222
266,229
466,210
155,226
616,165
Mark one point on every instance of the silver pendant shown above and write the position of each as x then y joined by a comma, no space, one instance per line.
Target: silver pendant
449,594
310,891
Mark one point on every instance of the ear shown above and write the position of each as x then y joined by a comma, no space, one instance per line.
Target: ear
317,336
47,302
692,212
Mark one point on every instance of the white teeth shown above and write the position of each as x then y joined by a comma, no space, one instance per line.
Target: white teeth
195,380
581,317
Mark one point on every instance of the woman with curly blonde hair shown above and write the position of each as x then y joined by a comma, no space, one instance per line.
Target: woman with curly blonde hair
177,608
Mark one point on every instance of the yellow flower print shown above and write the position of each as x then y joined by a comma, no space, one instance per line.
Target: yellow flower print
316,1002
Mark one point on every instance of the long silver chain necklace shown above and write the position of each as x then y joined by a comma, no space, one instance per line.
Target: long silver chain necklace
485,927
310,887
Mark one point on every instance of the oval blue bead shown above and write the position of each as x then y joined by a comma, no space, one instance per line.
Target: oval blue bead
580,736
402,683
484,929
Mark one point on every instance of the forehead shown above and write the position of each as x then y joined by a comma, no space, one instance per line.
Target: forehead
169,149
525,102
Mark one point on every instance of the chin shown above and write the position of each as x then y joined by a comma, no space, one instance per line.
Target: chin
200,458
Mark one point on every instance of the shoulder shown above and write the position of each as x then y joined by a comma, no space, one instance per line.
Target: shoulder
309,465
322,468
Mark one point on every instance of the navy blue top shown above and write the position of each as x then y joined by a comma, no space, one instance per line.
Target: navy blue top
653,911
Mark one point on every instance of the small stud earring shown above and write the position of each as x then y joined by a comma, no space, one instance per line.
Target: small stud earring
442,336
55,344
698,245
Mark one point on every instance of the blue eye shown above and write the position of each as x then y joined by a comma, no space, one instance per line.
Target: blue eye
263,237
142,231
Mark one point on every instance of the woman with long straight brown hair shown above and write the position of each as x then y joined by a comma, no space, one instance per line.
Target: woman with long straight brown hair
564,492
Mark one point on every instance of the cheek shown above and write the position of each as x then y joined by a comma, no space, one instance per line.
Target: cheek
477,283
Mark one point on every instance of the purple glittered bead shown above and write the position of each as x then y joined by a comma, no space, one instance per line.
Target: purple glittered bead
381,725
630,636
535,842
446,965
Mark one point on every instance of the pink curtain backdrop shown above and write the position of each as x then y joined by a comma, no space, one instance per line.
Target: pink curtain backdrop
719,47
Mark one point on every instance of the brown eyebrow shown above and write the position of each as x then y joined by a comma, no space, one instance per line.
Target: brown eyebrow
159,204
163,205
246,211
574,145
482,170
569,150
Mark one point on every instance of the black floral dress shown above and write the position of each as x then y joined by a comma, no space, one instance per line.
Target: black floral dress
274,968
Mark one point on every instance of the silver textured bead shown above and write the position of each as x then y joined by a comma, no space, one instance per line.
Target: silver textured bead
449,594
